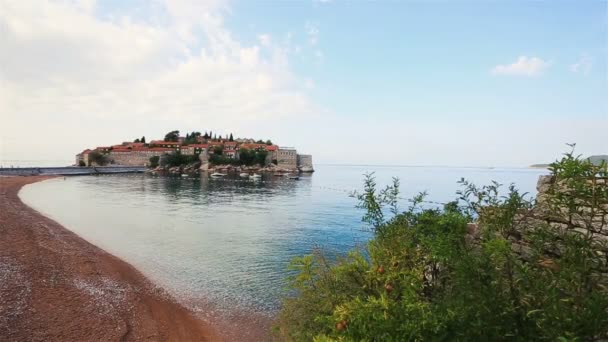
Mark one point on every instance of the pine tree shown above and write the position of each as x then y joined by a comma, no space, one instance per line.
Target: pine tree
143,139
231,138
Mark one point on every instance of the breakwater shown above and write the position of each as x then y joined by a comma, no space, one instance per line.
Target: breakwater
69,170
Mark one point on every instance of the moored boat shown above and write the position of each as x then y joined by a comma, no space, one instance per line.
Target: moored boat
255,176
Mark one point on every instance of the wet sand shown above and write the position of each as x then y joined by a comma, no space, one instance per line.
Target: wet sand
55,286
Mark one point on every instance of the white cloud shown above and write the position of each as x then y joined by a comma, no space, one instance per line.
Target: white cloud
264,39
583,65
524,66
98,81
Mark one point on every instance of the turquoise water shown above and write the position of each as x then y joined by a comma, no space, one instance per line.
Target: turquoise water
228,241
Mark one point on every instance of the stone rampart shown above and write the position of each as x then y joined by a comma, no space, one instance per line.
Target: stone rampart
133,158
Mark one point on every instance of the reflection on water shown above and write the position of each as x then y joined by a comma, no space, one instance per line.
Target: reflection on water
228,241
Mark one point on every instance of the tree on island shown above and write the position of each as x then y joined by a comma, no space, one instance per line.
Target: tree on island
136,140
231,138
268,142
154,162
192,138
143,139
206,136
97,158
172,136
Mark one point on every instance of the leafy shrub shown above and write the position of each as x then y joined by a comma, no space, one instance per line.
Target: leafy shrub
96,158
178,159
429,275
154,160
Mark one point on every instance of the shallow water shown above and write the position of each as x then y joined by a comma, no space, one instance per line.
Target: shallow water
228,241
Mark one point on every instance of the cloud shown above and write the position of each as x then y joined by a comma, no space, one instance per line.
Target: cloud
524,66
103,78
583,65
264,39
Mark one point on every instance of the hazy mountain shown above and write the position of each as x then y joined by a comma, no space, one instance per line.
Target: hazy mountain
597,160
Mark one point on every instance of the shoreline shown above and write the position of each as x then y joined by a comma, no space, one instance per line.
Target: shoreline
54,285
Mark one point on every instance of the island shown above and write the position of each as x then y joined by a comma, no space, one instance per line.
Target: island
198,151
595,160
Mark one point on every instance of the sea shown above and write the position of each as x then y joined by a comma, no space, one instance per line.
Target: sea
229,241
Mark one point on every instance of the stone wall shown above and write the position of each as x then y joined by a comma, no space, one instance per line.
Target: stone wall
287,158
133,158
304,160
579,216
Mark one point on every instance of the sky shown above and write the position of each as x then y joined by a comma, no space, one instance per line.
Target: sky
458,83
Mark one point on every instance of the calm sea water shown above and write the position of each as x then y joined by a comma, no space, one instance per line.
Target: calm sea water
228,241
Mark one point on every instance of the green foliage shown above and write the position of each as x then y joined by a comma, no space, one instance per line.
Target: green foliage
136,140
96,158
231,137
192,138
172,136
426,275
218,150
252,157
143,139
81,163
178,159
218,159
154,161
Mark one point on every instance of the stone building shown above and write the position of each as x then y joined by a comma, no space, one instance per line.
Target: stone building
194,149
287,158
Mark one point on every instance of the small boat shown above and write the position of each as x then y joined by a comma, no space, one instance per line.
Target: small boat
307,169
184,175
244,174
278,174
217,175
255,176
294,177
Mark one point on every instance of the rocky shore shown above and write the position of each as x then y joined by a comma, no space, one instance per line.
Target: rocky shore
55,286
196,168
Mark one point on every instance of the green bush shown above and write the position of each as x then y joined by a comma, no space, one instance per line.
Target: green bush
429,275
96,158
154,162
178,159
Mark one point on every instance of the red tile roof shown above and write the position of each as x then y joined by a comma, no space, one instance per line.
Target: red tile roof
252,146
160,149
197,145
271,147
121,150
162,142
136,144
